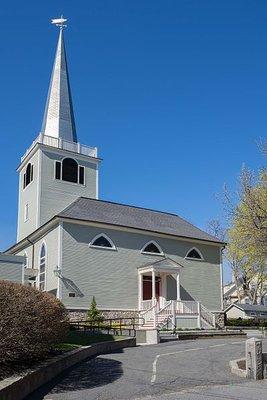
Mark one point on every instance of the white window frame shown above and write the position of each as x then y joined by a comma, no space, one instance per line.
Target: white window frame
61,166
39,263
150,253
26,212
192,258
24,174
102,247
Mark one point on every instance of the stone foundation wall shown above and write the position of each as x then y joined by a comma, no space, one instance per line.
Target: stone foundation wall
81,314
219,320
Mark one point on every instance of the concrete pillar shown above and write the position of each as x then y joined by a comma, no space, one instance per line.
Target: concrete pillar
254,358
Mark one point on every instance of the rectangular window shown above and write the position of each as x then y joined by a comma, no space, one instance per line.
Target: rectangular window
26,212
58,170
81,175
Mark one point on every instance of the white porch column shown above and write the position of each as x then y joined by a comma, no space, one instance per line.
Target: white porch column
178,286
153,286
140,290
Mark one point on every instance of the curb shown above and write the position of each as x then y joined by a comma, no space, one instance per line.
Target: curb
18,387
235,368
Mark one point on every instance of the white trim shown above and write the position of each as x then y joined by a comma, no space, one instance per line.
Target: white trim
97,182
46,264
102,247
54,221
32,173
61,172
26,212
94,160
151,253
59,266
39,160
192,258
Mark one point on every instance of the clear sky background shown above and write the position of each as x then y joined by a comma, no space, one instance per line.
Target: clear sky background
172,92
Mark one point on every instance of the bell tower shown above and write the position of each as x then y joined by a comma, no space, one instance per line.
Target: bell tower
56,169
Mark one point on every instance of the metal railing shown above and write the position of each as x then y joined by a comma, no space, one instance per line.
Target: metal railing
62,144
115,326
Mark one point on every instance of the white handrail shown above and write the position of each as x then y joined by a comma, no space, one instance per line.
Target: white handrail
62,144
207,315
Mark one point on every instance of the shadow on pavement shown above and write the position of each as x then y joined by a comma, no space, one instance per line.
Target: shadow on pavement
89,374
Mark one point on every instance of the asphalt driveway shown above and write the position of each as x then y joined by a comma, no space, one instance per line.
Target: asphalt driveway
179,370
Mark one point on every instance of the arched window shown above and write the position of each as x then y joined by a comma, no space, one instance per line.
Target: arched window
28,175
69,170
152,247
42,267
102,241
194,254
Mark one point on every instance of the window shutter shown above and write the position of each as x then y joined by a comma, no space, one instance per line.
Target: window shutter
81,175
57,171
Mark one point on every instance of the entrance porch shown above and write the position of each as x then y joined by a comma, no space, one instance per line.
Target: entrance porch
160,305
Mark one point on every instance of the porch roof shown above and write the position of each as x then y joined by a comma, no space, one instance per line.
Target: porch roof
164,265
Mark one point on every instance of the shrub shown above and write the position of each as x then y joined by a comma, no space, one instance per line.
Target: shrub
30,322
246,322
94,315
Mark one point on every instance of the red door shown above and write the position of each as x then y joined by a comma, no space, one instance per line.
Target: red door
147,288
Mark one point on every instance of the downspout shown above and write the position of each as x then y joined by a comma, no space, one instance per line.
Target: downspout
221,273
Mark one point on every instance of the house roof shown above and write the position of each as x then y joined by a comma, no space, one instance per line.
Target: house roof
248,307
87,209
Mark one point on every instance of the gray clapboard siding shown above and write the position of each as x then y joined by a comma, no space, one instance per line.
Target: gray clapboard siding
57,194
11,268
51,241
28,196
111,276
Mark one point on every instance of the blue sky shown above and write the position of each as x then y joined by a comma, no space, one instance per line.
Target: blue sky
173,93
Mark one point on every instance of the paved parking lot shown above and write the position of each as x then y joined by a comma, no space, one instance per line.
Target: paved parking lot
196,369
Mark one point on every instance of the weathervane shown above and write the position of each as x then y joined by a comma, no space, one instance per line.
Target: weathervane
59,22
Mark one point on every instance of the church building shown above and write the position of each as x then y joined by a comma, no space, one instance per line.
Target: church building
135,261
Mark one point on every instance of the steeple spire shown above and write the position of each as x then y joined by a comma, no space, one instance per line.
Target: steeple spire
58,117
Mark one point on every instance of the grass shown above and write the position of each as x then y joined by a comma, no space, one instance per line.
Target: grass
77,339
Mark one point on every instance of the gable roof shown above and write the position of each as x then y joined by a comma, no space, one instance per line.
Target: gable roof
248,307
87,209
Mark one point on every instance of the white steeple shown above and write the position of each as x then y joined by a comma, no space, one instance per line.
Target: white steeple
58,118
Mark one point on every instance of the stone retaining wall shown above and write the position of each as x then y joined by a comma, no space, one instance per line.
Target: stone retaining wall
82,314
18,387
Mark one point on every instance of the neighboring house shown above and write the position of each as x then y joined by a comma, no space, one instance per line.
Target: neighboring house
135,261
245,311
230,294
12,268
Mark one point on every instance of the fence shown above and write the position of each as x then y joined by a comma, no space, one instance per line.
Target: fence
114,326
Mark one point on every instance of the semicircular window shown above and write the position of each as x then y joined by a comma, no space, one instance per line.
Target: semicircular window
195,254
152,247
102,241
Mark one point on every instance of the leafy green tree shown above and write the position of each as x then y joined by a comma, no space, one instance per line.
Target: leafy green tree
93,314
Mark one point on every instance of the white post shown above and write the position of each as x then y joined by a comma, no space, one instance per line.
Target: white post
173,313
153,286
178,287
140,290
154,296
198,315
